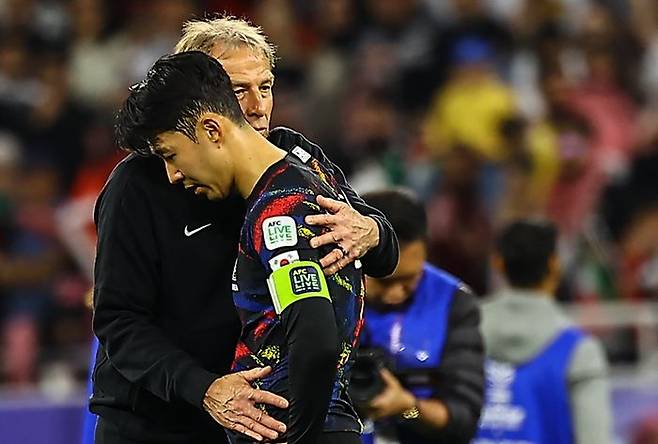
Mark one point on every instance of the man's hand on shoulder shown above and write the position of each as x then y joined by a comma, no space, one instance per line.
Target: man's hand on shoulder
352,233
231,400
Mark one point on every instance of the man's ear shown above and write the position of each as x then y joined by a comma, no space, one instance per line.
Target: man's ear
498,263
554,266
211,127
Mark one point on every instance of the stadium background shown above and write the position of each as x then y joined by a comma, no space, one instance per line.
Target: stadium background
489,109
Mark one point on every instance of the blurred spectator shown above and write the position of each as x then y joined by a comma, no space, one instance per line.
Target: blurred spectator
95,68
546,379
75,223
630,209
459,224
426,322
605,102
397,45
471,107
326,86
28,272
473,22
647,432
370,140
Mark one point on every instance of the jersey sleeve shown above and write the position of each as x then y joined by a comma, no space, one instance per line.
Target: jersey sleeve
280,240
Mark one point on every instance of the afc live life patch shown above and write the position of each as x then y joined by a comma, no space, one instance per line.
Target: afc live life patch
305,279
279,231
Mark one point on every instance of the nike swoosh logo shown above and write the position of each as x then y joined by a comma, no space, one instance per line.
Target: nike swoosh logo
189,232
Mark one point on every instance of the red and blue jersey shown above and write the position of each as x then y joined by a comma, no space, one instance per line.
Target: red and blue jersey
274,236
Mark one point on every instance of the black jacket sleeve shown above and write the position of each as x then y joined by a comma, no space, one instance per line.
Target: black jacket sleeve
125,300
313,349
460,384
381,260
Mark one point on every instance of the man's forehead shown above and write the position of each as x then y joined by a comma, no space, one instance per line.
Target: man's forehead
243,63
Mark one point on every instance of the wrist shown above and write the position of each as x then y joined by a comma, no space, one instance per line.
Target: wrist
374,231
410,410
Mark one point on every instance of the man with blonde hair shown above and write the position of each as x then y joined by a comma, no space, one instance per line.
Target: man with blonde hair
163,308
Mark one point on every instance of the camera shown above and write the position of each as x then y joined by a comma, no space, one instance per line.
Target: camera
366,382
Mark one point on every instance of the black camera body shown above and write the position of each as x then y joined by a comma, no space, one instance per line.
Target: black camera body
366,381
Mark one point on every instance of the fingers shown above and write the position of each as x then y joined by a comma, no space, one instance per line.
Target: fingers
388,377
236,426
261,396
339,265
323,239
334,256
241,415
377,403
241,428
263,424
321,219
255,373
332,205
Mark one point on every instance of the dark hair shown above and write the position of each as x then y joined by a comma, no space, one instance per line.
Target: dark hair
526,247
176,91
403,209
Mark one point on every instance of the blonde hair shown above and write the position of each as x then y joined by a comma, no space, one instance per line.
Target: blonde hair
229,32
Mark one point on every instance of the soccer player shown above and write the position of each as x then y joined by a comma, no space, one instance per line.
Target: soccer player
303,325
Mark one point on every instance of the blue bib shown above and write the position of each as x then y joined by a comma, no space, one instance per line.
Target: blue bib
529,403
414,335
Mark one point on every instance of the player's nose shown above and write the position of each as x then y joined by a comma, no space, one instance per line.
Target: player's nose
255,105
174,174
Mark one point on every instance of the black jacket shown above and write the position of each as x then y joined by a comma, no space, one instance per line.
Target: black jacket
163,310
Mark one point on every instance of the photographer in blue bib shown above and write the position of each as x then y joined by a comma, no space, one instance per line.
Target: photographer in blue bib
546,379
418,378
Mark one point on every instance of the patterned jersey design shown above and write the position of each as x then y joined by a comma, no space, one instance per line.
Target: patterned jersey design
274,235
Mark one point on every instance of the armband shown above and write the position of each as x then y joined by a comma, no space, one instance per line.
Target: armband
296,281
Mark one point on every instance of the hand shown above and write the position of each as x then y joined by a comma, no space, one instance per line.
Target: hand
353,234
231,400
393,400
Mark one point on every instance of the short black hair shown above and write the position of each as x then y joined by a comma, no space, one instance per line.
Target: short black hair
403,209
526,247
176,91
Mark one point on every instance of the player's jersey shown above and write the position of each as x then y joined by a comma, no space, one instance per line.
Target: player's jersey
274,238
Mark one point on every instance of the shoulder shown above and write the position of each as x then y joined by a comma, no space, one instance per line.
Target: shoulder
284,202
287,139
439,276
285,188
588,360
139,184
136,172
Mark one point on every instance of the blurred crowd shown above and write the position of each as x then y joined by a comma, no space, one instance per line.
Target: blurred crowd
489,109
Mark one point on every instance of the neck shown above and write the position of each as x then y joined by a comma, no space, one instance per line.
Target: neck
253,155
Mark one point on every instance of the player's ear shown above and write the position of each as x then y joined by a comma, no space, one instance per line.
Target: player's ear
211,127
